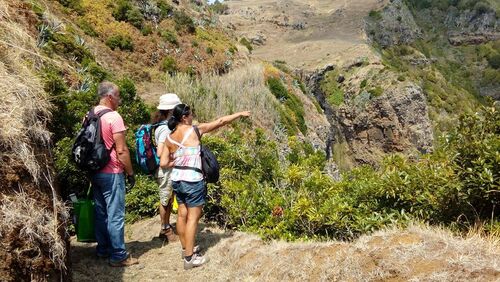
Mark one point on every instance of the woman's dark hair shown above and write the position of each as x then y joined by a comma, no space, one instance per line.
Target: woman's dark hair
160,115
178,112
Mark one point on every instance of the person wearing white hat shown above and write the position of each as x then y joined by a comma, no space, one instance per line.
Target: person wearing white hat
166,104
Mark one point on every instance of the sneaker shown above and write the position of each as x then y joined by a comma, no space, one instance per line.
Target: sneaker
196,250
169,235
126,262
196,260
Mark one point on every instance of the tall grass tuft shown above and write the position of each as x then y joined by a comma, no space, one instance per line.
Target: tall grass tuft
242,89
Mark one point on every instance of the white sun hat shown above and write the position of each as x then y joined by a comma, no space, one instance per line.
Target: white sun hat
168,101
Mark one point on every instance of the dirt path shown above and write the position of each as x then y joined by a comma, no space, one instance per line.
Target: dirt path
417,254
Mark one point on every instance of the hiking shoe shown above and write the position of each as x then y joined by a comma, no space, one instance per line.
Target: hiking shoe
126,262
169,235
196,250
196,260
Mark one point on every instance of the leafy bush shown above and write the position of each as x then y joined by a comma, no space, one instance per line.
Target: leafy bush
142,200
494,61
291,198
169,37
246,43
377,91
76,5
219,8
135,17
169,65
294,108
165,9
376,15
183,23
146,30
87,28
121,42
121,9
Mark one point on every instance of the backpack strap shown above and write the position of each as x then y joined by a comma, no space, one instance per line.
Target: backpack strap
189,168
99,132
197,130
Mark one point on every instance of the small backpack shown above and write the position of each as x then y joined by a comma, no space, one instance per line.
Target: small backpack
145,153
89,151
209,164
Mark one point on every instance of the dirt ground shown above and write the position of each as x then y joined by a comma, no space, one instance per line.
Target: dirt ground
417,253
329,32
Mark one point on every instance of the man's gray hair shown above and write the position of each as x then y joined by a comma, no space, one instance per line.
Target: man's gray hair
105,88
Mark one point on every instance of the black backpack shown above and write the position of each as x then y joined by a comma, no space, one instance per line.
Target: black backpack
89,151
209,164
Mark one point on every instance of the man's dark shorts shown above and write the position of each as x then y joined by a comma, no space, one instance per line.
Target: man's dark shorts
192,194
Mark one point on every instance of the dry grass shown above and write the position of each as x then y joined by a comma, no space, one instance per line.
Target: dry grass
25,109
213,96
418,253
37,228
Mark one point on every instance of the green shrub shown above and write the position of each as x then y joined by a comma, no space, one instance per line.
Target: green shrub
142,201
121,9
494,61
66,46
218,7
294,112
87,28
169,65
376,15
135,17
363,83
482,7
183,23
75,5
165,9
376,92
247,44
209,50
146,30
169,37
121,42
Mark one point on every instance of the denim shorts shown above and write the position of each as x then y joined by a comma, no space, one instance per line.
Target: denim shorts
192,194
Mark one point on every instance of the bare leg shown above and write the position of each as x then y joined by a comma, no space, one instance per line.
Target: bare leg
182,214
165,212
193,216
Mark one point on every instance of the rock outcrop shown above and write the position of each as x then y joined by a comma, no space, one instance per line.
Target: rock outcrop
393,25
394,122
472,26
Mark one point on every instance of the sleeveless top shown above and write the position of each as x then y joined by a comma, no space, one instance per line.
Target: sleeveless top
186,157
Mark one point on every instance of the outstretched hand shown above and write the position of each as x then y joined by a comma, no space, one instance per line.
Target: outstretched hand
245,114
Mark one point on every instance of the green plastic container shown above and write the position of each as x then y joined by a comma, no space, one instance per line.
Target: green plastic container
84,211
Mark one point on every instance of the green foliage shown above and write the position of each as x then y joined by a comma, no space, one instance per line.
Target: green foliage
75,5
142,200
169,65
294,110
376,92
209,50
65,44
292,198
146,30
376,15
135,18
494,61
165,9
87,28
183,23
476,143
333,92
121,9
169,37
218,7
363,83
121,42
246,43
